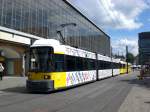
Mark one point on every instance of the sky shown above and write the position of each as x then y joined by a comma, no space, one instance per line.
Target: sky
122,20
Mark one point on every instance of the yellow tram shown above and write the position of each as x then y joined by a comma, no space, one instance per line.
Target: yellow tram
55,66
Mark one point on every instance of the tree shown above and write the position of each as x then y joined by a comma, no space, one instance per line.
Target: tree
130,58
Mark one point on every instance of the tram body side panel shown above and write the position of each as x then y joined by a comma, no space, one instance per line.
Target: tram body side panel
60,79
125,70
122,70
38,81
104,73
80,77
37,76
116,72
67,79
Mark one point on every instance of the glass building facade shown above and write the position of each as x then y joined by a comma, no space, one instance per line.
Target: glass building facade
44,18
144,48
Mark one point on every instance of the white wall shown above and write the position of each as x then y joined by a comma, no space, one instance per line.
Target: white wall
14,38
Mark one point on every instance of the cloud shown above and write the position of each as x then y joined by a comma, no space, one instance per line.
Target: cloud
119,14
119,46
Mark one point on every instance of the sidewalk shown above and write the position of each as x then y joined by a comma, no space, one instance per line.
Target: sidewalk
11,82
138,100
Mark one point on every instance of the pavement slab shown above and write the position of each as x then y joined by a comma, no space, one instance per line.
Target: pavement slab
138,99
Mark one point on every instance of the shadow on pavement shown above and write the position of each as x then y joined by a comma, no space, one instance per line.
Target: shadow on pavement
142,83
23,90
16,90
147,102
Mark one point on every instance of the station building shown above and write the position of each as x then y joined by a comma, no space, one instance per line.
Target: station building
24,21
144,48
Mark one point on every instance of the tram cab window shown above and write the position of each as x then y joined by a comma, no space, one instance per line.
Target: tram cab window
41,59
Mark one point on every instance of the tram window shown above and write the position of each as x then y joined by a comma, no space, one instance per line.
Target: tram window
110,65
104,65
100,64
79,63
107,65
89,67
114,65
85,64
124,65
59,63
91,64
117,65
70,63
120,65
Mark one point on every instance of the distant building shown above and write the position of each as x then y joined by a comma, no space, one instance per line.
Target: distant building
136,60
144,48
24,21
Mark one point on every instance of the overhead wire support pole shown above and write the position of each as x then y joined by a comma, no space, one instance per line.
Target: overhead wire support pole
127,58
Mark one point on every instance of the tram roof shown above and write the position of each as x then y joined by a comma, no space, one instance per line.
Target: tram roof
69,50
63,49
102,57
46,42
116,60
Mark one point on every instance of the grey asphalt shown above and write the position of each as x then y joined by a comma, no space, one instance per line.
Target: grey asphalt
102,96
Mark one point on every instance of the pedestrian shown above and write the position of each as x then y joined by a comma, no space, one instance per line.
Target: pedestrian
1,71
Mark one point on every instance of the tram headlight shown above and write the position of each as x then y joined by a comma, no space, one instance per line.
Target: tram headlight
47,77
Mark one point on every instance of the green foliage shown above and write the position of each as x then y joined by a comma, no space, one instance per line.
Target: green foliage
130,58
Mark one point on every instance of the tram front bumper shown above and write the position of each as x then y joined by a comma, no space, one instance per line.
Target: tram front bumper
40,85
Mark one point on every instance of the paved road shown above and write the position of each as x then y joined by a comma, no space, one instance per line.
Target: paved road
101,96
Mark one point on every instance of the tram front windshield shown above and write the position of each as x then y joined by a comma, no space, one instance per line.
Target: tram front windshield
41,59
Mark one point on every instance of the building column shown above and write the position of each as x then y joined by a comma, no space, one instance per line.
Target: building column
23,65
